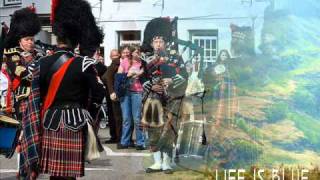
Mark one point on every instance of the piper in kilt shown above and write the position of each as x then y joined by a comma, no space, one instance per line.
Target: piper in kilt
66,83
19,53
19,57
164,91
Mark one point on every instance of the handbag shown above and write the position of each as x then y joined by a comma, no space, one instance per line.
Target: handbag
93,146
121,84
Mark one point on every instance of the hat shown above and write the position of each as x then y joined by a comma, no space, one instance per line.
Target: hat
160,27
73,23
24,22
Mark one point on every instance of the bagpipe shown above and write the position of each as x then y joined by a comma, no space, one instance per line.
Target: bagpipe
43,47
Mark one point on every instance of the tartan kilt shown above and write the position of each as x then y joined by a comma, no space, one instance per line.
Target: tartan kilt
62,152
23,106
23,167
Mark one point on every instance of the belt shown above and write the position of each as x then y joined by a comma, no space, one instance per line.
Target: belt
66,105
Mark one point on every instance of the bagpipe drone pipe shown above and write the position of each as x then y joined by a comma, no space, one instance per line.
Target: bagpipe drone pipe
43,47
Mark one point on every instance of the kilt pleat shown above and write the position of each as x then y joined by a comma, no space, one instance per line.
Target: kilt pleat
62,152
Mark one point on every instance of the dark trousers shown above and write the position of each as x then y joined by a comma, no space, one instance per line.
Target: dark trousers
111,120
115,120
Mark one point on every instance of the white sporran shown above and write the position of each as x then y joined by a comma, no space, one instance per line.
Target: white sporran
92,151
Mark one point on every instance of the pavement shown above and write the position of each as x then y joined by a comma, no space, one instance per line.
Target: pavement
113,164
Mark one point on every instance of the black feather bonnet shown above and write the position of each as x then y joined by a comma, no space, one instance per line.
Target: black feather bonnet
74,23
24,22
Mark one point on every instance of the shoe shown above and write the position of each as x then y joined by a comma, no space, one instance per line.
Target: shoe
167,169
132,145
140,148
149,170
120,146
156,167
111,141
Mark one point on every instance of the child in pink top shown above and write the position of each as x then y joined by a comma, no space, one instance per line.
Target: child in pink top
131,102
133,69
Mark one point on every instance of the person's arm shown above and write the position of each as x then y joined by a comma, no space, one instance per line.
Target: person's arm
97,90
109,76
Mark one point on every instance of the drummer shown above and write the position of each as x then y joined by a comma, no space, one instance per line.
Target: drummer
19,55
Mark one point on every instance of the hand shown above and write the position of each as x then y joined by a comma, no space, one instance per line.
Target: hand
113,96
136,76
131,73
166,81
157,88
19,70
138,73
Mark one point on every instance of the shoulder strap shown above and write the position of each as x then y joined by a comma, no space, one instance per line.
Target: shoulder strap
55,84
57,64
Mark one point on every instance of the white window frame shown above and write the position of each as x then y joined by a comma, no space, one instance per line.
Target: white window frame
133,42
12,2
205,35
128,42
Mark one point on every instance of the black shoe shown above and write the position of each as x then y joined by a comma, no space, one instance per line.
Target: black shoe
111,141
132,145
120,146
149,170
168,171
140,148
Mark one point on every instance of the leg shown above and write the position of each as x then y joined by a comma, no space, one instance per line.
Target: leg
170,133
131,134
127,120
156,167
168,138
136,104
118,118
112,121
166,163
154,135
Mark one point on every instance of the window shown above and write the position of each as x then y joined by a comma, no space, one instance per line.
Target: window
44,19
11,2
208,40
129,37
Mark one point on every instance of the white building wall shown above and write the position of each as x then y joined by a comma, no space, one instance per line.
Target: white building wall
117,16
42,7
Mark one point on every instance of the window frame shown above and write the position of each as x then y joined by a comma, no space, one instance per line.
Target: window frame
206,34
6,3
135,41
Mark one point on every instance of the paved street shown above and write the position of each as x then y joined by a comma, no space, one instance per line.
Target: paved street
113,165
